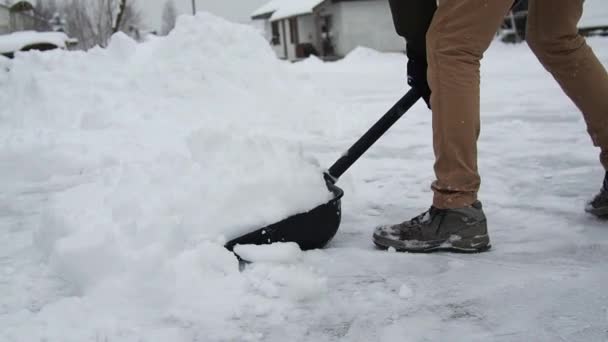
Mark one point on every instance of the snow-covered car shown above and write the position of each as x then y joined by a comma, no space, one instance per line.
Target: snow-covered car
32,40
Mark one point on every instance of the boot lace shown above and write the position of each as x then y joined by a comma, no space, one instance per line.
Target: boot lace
428,216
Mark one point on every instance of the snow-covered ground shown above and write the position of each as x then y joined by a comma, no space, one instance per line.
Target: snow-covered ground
123,170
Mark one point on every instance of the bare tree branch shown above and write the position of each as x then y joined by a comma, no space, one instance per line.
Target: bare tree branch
94,23
121,12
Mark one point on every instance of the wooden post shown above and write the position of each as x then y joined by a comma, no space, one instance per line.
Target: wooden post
193,7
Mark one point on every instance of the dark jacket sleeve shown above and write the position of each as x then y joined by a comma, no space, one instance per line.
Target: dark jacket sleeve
412,19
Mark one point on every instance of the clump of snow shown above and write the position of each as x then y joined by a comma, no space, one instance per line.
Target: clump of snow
158,153
292,281
278,252
406,292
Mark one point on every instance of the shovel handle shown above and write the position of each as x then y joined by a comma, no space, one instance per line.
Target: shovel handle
372,135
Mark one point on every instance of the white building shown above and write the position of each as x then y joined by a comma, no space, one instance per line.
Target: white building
17,15
329,28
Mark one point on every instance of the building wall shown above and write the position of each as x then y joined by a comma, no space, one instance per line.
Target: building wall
16,21
353,23
328,9
364,23
262,26
265,28
306,34
4,20
307,29
22,22
291,47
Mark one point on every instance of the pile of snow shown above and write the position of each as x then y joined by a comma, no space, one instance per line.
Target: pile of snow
357,61
311,61
365,55
156,154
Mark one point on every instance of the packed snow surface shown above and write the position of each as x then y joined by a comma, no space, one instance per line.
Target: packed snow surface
595,14
123,171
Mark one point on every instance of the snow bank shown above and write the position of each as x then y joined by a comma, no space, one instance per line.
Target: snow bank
311,61
365,55
158,153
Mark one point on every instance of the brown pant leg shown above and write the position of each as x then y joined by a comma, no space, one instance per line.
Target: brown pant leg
460,33
553,36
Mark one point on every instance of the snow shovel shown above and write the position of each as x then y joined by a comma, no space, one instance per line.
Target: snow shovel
314,229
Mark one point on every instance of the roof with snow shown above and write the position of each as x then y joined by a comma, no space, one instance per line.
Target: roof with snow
18,40
266,10
595,14
282,9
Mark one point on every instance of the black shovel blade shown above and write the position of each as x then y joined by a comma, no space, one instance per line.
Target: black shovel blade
310,230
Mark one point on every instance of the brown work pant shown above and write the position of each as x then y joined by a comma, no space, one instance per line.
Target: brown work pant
459,34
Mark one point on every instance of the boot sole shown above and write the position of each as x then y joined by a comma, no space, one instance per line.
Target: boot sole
601,213
477,244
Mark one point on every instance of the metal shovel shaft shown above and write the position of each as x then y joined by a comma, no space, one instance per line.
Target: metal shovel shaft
373,134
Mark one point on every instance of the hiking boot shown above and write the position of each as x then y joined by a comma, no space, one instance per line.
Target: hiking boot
457,230
599,205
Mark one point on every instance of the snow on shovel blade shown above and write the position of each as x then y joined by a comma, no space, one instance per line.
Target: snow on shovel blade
310,230
317,227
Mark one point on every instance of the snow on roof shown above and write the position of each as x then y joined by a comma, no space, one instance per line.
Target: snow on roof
595,14
281,9
292,8
18,40
267,8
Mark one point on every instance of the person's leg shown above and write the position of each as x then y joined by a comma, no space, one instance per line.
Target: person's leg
460,33
553,37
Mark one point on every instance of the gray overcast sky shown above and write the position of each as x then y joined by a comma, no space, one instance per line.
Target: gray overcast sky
235,10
